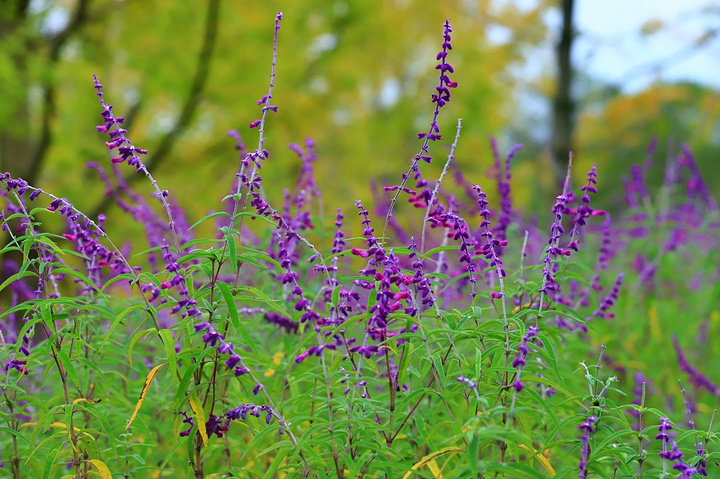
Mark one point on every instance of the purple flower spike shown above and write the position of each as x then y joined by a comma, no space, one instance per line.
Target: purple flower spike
697,378
584,211
503,176
521,360
492,249
588,428
556,230
670,451
460,232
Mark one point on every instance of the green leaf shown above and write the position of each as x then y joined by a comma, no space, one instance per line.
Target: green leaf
136,337
50,459
169,344
440,370
69,368
402,368
232,251
117,321
78,275
442,248
234,318
120,277
277,445
209,217
14,278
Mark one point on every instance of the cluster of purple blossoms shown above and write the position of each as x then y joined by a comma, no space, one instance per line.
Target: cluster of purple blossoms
82,232
177,279
113,128
189,421
635,189
306,177
460,232
290,277
492,248
670,451
441,97
386,300
588,428
421,282
265,100
605,255
18,364
521,360
338,241
608,301
242,412
584,211
211,337
282,321
503,176
696,187
219,425
701,466
302,305
697,378
375,252
315,350
343,308
468,382
556,230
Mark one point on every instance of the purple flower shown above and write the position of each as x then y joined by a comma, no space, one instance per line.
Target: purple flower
113,128
670,451
521,359
460,232
492,248
440,98
696,377
503,176
609,300
421,282
469,383
588,429
556,230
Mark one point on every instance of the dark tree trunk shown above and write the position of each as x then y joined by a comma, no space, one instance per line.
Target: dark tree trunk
561,142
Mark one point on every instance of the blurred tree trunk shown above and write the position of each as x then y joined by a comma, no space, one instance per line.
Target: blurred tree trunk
561,141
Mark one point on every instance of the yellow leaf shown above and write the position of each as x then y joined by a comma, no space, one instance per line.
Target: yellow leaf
269,372
91,401
654,325
102,468
57,425
432,465
543,460
431,458
146,386
277,357
520,308
199,413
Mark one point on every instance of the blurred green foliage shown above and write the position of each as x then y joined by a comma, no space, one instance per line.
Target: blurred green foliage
356,76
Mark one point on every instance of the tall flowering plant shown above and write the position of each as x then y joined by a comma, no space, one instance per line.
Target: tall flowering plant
260,352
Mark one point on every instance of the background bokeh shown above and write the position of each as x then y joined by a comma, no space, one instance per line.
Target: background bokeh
356,76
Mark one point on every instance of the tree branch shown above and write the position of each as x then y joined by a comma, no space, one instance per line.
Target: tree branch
561,141
49,106
160,153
